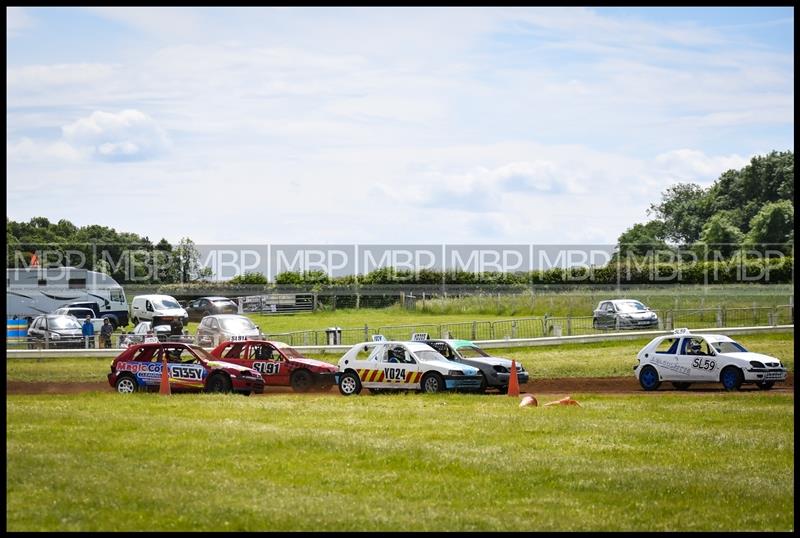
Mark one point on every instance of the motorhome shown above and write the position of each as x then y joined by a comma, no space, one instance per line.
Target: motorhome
33,291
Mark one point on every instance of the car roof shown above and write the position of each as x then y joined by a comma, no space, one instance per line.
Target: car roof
455,342
154,296
217,298
411,345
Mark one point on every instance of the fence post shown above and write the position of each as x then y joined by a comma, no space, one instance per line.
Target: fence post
772,316
669,326
366,332
314,305
514,329
569,324
474,330
754,314
719,316
358,301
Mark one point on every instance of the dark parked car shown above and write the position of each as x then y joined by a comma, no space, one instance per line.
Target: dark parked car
58,330
207,306
624,314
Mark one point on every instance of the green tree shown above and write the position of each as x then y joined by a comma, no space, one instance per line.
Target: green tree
640,239
250,278
720,234
773,224
683,209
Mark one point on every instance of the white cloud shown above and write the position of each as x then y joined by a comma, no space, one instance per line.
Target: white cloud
127,135
688,165
17,21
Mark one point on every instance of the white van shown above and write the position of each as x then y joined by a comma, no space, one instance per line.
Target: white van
144,307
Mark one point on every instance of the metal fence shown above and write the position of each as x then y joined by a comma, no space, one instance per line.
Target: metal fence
527,327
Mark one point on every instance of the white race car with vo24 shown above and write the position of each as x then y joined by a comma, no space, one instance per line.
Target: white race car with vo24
684,358
383,366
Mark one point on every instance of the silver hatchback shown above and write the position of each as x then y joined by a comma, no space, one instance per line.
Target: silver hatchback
220,327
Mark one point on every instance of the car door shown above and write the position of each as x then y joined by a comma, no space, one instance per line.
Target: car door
269,362
702,362
397,367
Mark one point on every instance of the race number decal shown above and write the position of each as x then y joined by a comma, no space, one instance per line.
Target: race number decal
269,368
186,372
395,374
704,364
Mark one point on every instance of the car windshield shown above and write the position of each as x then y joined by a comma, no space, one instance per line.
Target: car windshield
428,355
631,306
167,303
223,302
63,322
472,352
728,347
237,324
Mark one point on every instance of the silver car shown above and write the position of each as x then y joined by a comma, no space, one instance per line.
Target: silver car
220,327
624,314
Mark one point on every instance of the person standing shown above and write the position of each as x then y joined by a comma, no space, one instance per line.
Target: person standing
88,332
105,332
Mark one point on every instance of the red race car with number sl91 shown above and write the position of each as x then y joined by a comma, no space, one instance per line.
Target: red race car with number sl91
191,369
279,364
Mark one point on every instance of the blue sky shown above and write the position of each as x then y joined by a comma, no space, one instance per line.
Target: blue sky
385,125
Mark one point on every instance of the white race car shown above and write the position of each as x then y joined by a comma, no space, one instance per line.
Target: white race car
685,358
385,365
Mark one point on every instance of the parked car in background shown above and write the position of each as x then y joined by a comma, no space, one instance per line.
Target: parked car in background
387,365
145,330
191,369
208,306
146,307
57,330
218,328
685,358
80,314
495,371
279,364
623,314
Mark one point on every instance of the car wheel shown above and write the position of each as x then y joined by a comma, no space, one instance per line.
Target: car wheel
349,384
648,378
301,381
218,383
484,384
432,382
595,325
765,385
126,384
731,378
681,385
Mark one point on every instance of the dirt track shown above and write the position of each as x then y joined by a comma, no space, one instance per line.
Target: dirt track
566,385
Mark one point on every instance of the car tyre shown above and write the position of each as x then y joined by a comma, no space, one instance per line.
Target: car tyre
765,385
484,384
731,378
595,325
681,385
301,380
218,383
126,384
432,383
648,378
349,384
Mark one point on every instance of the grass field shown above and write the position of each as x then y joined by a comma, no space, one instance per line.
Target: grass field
600,359
102,462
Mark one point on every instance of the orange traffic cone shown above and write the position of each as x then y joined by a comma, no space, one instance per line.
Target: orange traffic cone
164,389
564,401
513,382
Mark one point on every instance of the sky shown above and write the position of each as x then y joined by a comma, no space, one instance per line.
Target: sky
385,125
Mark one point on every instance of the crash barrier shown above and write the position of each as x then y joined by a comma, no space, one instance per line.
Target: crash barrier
537,327
338,350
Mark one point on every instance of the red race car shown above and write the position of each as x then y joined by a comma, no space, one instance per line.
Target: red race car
279,364
191,368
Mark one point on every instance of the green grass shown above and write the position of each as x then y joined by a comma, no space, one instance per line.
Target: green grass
598,359
103,462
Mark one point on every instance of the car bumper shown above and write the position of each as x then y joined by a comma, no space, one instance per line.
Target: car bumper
502,380
325,379
638,324
252,384
765,374
452,382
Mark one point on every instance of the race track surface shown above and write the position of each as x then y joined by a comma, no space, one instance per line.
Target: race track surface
565,385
